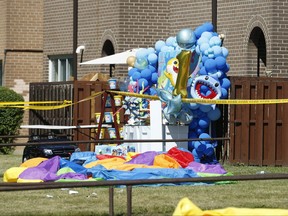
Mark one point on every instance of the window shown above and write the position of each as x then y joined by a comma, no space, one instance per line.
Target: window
60,68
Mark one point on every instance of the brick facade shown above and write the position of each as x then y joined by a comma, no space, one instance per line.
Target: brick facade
131,24
21,44
28,26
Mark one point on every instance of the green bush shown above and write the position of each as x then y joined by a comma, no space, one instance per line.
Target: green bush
10,118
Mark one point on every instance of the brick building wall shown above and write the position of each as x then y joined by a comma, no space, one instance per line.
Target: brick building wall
132,24
2,28
21,45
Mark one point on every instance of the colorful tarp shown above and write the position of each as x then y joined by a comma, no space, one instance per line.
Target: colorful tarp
175,163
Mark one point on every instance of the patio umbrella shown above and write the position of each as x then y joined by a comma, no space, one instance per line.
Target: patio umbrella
118,58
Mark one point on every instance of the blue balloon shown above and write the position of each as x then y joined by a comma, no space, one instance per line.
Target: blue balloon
152,91
199,146
220,62
186,38
136,76
206,35
154,78
165,49
217,51
197,155
194,106
226,68
202,40
132,71
150,50
146,74
204,89
152,58
224,93
215,41
141,63
193,124
205,136
209,151
171,41
204,58
210,65
152,68
211,56
214,114
198,31
143,83
204,122
202,71
208,26
159,44
191,135
205,108
225,83
204,27
200,130
204,46
141,53
225,52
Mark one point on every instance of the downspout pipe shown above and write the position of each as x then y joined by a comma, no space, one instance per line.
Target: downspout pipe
214,14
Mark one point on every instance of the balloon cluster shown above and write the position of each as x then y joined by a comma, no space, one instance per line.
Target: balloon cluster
193,65
143,72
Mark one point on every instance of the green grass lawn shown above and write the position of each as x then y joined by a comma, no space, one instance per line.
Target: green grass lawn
146,200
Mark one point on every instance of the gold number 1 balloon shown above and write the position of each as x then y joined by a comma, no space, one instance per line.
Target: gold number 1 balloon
184,68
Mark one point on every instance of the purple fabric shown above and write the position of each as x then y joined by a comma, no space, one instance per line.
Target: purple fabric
146,158
71,175
47,170
206,168
52,164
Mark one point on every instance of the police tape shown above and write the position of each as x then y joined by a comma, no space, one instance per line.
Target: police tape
44,105
52,105
208,101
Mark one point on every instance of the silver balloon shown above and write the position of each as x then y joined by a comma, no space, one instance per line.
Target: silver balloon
186,38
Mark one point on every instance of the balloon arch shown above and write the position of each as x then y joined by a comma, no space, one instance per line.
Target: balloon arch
191,64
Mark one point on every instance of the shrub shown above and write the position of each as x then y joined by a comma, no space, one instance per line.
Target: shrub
10,118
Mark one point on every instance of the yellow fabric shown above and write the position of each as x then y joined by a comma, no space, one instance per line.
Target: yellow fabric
33,162
117,164
130,155
12,174
106,162
29,180
186,208
165,161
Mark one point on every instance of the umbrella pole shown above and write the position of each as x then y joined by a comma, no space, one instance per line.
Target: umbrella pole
111,66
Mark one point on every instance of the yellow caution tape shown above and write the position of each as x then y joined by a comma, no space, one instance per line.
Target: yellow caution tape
24,105
31,102
208,101
47,105
44,104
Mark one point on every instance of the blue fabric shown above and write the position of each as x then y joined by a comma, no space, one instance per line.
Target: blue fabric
82,156
142,173
74,166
